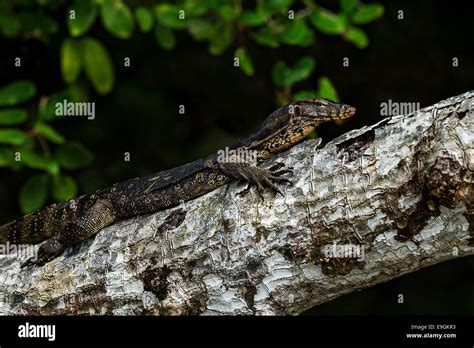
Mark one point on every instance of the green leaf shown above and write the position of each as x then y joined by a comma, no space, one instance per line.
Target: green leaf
196,7
84,15
347,5
64,187
284,76
368,13
117,18
253,18
221,38
144,19
305,94
326,89
268,36
34,193
169,16
11,117
357,37
47,108
49,133
12,136
228,12
17,92
77,92
70,60
298,33
200,29
11,26
165,37
39,161
29,144
73,156
245,62
277,5
279,73
36,22
328,22
98,65
303,69
6,157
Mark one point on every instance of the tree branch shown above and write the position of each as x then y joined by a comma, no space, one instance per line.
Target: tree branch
399,192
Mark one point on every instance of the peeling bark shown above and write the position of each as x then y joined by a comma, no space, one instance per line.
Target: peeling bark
401,190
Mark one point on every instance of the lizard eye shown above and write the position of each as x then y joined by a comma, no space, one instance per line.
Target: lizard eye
297,110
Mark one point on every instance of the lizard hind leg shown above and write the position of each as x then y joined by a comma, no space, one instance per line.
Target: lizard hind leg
98,216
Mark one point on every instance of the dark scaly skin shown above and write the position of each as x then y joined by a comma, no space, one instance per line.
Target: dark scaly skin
67,223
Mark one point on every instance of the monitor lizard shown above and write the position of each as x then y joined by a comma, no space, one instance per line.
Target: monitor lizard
67,223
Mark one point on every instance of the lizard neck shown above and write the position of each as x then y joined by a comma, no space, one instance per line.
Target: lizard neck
273,141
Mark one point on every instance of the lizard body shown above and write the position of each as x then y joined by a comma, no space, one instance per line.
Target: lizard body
68,223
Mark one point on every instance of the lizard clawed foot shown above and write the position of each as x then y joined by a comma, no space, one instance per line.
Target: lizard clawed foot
261,178
47,252
276,166
274,169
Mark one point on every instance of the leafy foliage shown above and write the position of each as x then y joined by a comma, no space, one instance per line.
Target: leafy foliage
244,61
71,60
117,18
286,77
73,156
98,65
27,137
144,19
64,187
34,193
17,92
81,16
18,148
11,117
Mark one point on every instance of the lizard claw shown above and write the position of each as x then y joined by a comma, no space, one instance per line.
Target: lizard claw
276,166
283,171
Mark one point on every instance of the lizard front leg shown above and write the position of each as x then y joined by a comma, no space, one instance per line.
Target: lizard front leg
98,216
246,171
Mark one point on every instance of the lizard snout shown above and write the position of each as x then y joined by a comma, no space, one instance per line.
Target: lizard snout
347,111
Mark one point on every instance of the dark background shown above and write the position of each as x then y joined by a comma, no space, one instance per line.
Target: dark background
407,60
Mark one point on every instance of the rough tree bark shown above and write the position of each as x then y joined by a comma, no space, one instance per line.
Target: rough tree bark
401,190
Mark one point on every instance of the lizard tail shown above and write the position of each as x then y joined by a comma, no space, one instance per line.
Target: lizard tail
7,233
4,233
42,224
29,229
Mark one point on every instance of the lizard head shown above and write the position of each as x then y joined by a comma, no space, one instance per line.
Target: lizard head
319,110
291,124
